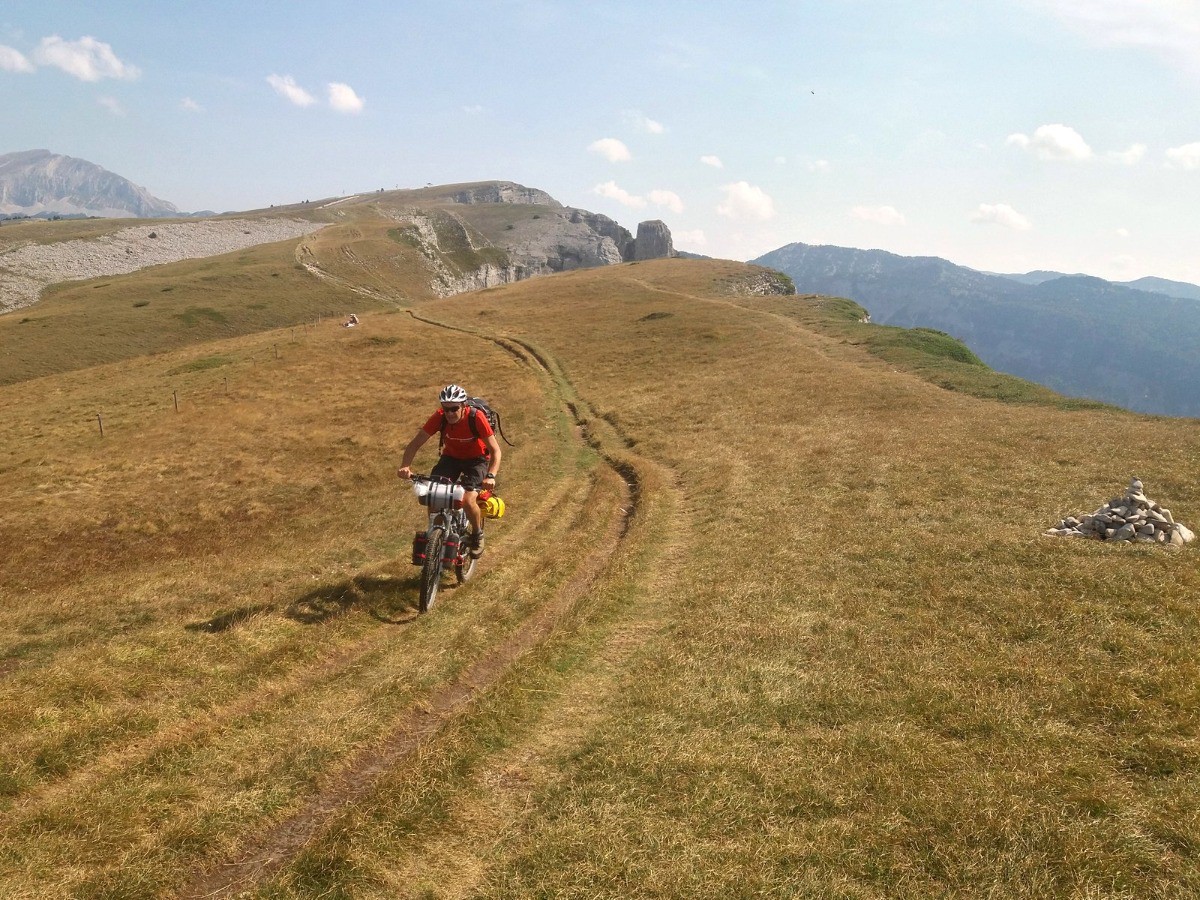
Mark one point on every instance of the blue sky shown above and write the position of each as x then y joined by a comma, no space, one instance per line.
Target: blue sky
1006,135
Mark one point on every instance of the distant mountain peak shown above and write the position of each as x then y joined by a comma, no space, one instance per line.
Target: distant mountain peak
39,182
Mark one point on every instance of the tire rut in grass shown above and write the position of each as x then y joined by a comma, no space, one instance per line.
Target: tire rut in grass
280,845
414,729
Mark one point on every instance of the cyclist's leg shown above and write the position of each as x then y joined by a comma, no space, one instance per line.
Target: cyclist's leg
472,480
446,467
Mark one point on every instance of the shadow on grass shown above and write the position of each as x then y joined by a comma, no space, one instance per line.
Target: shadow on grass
387,599
390,600
225,621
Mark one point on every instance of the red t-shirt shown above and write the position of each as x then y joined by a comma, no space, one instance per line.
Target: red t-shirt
461,442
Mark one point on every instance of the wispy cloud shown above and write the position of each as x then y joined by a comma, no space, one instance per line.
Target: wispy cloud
1057,141
1130,157
667,199
343,99
14,60
87,59
880,215
286,87
643,123
693,238
112,105
473,110
714,161
744,201
1168,28
611,149
819,165
1000,214
190,105
610,190
1185,157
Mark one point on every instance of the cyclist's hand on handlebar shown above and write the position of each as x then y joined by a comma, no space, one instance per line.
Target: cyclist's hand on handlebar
405,472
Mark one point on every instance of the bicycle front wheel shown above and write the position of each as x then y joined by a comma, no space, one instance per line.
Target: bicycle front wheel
466,568
431,571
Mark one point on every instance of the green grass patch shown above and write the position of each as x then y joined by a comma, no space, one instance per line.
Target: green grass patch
85,323
202,365
933,355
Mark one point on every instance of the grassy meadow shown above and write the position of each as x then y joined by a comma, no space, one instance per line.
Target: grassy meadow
769,615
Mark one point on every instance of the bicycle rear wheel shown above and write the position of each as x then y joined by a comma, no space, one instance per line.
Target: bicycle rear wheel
431,571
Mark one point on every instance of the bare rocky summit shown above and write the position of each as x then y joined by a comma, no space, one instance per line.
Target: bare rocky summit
34,182
505,192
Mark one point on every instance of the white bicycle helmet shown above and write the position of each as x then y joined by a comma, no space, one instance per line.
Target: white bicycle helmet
452,393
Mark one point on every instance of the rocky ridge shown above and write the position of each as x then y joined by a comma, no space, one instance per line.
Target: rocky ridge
1133,518
26,270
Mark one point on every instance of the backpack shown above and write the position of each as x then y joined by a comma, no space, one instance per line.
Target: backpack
477,405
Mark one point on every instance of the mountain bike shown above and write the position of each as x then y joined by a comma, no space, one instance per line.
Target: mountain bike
446,541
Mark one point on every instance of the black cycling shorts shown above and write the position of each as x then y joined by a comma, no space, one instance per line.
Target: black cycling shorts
471,470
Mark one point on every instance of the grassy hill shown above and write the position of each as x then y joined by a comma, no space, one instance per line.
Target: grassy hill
769,615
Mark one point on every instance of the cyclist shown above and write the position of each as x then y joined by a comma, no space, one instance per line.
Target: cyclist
470,451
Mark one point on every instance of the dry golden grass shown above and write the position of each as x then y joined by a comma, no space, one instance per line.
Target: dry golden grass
831,656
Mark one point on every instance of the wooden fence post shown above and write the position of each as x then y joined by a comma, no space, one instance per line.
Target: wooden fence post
101,421
175,397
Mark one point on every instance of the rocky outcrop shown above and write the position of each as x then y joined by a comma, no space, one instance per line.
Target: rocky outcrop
38,181
1133,518
653,241
505,192
760,283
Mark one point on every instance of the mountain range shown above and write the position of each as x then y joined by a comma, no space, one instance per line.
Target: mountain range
38,183
1079,335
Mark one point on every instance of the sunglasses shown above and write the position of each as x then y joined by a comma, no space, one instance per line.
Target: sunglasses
451,408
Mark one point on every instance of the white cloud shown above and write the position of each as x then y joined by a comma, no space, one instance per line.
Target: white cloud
343,99
285,86
87,59
1123,262
1185,157
1122,232
1000,214
691,238
13,60
610,190
190,105
1168,28
473,110
1060,142
819,165
880,215
1130,157
668,199
112,105
611,149
746,201
643,122
714,161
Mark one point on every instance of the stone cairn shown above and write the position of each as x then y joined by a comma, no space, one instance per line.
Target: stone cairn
1134,518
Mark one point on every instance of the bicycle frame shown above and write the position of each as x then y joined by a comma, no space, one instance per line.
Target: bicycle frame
444,542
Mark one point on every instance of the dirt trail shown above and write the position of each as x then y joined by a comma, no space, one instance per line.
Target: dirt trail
274,850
